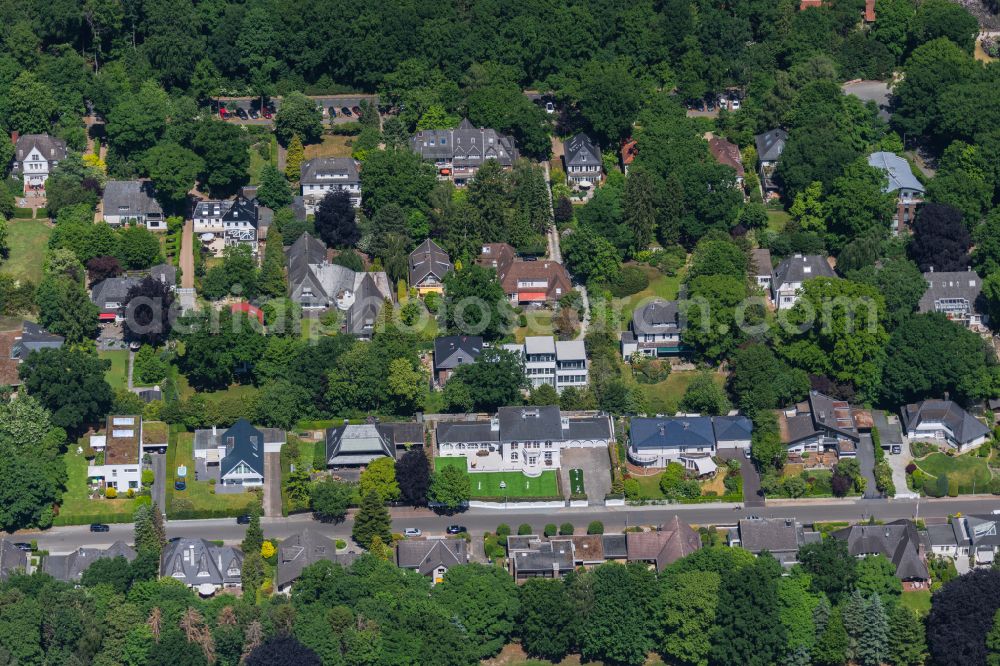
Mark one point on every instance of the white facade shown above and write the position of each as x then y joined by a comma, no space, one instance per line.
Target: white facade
941,431
36,168
559,364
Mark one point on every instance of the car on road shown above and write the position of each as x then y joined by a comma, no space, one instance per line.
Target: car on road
412,532
345,111
20,545
456,529
356,110
180,485
243,520
746,452
99,527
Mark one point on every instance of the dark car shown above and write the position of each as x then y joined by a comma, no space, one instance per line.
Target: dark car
99,527
254,114
268,114
456,529
243,520
20,545
241,113
180,485
345,111
356,110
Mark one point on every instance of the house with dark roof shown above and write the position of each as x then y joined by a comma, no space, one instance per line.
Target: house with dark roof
202,566
582,160
12,559
317,284
35,156
688,440
452,351
300,550
326,174
132,202
818,424
732,432
943,421
431,557
428,264
70,567
951,539
531,557
792,272
958,296
769,145
16,345
523,281
229,222
983,533
900,181
458,153
521,439
110,296
664,546
558,363
237,453
781,537
898,541
350,445
655,330
728,153
761,268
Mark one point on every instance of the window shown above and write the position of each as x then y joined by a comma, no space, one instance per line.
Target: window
513,456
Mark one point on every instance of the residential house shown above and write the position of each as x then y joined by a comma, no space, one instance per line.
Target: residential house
792,272
458,153
900,181
17,345
761,268
428,265
152,435
326,174
951,539
944,421
655,330
898,541
558,363
202,565
316,284
984,538
818,424
432,557
303,549
728,153
349,444
769,145
582,160
663,547
867,14
689,440
122,465
70,567
133,202
110,295
453,351
12,559
35,156
781,537
238,452
530,557
630,148
521,439
230,222
526,282
958,296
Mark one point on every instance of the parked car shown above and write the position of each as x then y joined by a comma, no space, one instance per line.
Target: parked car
243,520
735,104
223,113
456,529
20,545
896,448
180,485
242,113
268,113
746,452
254,113
356,110
550,107
412,532
345,111
99,527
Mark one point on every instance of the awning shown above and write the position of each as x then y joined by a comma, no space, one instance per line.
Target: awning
106,316
585,184
445,172
531,296
206,589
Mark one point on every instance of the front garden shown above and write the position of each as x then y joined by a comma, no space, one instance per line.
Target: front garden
675,484
199,499
941,473
80,506
499,485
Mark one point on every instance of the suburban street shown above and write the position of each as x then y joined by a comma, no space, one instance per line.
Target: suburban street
478,521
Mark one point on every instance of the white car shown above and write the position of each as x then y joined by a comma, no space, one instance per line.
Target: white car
736,104
550,107
412,532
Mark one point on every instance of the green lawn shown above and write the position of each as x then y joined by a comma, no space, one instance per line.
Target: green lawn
576,481
257,162
660,286
244,392
77,508
198,493
117,374
487,484
965,469
649,486
663,398
539,323
918,601
28,240
777,219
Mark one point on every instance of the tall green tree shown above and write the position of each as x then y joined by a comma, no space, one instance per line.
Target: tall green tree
371,520
618,591
299,116
450,488
273,190
748,629
475,303
485,600
174,170
908,643
272,271
71,383
30,106
639,204
545,619
685,614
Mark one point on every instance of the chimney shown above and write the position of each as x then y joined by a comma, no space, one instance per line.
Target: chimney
215,431
931,269
14,136
947,395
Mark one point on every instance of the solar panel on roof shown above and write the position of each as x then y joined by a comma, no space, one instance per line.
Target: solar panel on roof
122,433
123,420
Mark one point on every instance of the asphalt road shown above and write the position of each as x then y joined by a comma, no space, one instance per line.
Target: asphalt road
615,519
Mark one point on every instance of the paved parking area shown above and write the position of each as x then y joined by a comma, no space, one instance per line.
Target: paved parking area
331,105
751,479
272,485
871,91
596,468
866,459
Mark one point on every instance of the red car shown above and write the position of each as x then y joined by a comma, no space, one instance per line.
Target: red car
223,113
266,112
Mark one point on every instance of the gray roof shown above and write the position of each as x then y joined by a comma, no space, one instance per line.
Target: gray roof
581,151
50,147
532,555
196,561
614,546
760,262
965,285
450,351
963,425
299,208
210,208
659,316
898,541
33,338
897,170
426,555
982,530
428,260
770,144
530,423
833,414
308,547
799,268
245,443
942,535
889,433
136,197
12,559
465,146
70,567
538,424
361,444
344,167
590,427
453,432
662,433
111,290
732,428
165,273
775,535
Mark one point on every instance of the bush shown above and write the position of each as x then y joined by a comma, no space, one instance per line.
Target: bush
432,301
22,213
550,530
952,487
631,280
341,544
911,468
523,529
632,489
840,484
503,530
567,529
595,527
148,477
110,492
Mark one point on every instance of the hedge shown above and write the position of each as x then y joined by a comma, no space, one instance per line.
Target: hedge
549,498
201,514
42,212
88,519
23,213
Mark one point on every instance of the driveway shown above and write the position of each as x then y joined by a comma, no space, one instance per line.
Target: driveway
751,479
866,458
160,480
870,91
596,468
272,485
891,435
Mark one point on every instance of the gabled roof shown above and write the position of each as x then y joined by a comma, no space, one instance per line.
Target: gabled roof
308,547
70,567
770,144
244,444
897,170
760,262
952,285
428,260
581,151
530,423
898,541
426,555
112,290
775,535
242,210
33,338
450,351
799,268
345,167
465,146
511,270
196,561
732,428
665,546
137,197
665,433
630,148
965,427
658,316
727,153
833,414
50,147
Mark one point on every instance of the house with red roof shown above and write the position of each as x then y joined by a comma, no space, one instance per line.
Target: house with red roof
248,310
526,281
